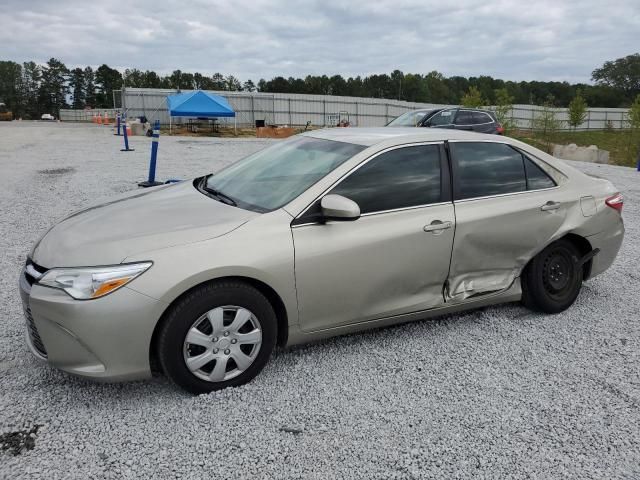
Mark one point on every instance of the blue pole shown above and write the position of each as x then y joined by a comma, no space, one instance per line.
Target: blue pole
126,137
151,181
154,151
117,125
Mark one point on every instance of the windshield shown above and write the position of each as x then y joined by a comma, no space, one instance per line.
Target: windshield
273,177
409,119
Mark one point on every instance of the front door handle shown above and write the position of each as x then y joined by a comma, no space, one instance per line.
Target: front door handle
437,226
550,206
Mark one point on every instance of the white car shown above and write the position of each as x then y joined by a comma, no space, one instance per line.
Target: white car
47,116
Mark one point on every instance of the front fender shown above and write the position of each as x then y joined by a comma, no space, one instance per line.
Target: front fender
261,249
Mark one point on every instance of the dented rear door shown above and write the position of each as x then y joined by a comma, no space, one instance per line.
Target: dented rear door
500,224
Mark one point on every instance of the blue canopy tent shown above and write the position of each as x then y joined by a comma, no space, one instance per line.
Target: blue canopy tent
199,104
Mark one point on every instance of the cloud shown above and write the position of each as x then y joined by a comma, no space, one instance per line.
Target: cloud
541,40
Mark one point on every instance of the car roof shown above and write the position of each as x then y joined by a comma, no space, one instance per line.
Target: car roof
371,136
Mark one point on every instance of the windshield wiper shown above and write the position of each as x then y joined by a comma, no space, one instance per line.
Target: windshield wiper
218,194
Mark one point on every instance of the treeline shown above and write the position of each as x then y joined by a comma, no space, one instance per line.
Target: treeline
30,89
436,88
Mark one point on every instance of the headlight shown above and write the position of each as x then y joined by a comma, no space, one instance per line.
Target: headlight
92,282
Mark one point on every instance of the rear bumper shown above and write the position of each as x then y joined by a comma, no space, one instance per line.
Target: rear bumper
105,339
609,242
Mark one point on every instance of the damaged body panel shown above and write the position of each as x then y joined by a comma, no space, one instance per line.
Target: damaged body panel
496,237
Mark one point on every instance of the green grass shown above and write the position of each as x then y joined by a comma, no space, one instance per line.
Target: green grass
623,150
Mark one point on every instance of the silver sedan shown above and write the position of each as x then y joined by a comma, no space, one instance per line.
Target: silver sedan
329,232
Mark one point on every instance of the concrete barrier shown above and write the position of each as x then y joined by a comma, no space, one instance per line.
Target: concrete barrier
591,154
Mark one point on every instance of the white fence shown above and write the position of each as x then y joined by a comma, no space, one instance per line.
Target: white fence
68,115
278,108
322,110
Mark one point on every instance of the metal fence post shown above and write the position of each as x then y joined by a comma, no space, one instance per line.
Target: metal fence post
290,122
253,111
324,113
589,119
533,119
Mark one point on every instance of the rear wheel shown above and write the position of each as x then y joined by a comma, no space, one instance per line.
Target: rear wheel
552,281
219,335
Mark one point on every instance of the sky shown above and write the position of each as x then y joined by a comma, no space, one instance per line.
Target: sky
513,40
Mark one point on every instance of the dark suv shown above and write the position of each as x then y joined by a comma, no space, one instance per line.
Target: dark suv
459,118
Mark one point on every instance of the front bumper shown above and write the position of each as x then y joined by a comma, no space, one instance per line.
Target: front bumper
106,339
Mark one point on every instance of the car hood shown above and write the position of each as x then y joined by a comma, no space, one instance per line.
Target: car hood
147,220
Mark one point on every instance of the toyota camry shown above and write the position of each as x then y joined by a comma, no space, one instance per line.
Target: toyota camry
329,232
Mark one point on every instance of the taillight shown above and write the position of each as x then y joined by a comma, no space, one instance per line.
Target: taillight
500,129
616,202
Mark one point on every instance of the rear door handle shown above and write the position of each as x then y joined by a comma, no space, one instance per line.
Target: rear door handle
550,206
437,226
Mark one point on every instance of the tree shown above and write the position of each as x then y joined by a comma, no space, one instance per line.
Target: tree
151,80
218,82
77,88
249,86
200,82
89,87
186,81
577,110
473,98
634,114
53,86
622,74
436,86
233,84
545,124
174,79
414,88
29,89
133,78
504,105
107,80
10,86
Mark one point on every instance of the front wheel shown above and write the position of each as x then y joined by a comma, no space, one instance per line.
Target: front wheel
552,281
219,335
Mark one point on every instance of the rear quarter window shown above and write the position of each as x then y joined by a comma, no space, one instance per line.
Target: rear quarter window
537,179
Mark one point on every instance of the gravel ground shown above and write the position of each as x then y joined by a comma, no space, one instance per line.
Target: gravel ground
493,393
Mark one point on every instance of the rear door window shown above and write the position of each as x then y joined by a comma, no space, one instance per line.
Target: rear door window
481,117
464,117
485,169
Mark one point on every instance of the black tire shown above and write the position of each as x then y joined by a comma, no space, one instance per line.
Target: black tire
552,281
181,317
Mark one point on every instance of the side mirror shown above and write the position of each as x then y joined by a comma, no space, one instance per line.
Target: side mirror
337,207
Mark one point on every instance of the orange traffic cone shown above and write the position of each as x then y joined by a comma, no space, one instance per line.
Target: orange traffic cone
99,119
